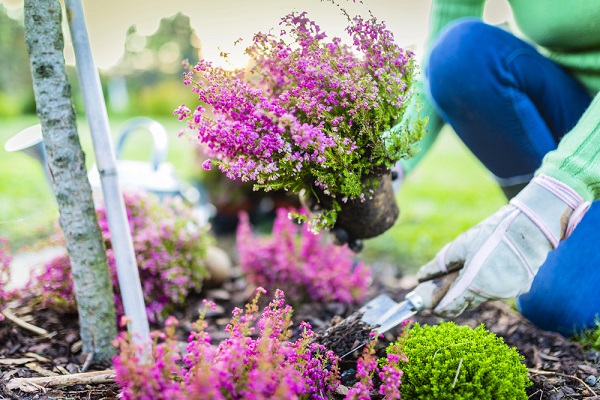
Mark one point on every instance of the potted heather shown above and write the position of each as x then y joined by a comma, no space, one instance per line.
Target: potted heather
313,114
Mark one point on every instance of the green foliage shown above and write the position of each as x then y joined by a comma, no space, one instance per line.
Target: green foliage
590,337
157,99
16,93
448,361
12,104
151,67
14,62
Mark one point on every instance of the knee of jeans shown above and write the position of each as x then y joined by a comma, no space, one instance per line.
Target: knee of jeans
457,62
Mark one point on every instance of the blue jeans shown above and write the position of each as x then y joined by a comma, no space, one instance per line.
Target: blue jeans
511,105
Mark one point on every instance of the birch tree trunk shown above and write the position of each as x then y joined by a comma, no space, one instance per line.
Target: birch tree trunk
66,161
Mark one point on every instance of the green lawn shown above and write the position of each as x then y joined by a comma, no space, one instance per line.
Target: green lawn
27,206
446,194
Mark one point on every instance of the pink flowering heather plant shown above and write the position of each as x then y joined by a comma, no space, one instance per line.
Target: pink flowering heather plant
5,260
385,369
311,112
300,263
258,360
170,253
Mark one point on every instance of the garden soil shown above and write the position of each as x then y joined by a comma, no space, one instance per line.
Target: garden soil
558,368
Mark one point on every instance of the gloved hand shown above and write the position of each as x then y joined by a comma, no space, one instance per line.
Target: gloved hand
397,176
501,255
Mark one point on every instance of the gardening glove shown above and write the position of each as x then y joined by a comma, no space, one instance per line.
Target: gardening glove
397,176
499,257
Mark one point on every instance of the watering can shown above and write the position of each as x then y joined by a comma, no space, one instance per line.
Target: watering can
156,176
31,142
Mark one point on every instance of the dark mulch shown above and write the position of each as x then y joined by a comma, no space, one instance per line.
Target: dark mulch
559,369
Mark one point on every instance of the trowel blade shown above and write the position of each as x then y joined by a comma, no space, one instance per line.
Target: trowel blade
396,315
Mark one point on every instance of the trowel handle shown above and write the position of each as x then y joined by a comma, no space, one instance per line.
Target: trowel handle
442,286
429,293
160,139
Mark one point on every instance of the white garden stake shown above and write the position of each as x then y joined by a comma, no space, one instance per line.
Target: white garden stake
127,271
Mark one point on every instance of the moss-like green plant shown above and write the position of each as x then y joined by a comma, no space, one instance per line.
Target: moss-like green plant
452,362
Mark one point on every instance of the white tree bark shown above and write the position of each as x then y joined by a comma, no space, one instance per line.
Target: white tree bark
66,161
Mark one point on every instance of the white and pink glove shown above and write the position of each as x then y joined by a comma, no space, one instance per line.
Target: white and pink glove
501,255
397,176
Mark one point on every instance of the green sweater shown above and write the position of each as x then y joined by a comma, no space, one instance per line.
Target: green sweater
568,32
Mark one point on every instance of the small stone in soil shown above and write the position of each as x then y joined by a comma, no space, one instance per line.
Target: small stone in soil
591,380
348,376
592,355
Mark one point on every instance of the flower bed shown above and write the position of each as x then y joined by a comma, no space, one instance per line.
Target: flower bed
259,359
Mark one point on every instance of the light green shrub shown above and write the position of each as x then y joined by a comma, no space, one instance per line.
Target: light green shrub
452,362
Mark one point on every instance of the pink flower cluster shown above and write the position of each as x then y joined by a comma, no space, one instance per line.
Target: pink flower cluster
253,133
387,370
5,260
309,111
300,263
170,257
258,360
54,284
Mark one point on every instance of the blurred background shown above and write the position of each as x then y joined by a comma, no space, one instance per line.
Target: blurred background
138,47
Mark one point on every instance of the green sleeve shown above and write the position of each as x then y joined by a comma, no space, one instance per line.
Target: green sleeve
442,13
421,107
445,11
576,161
